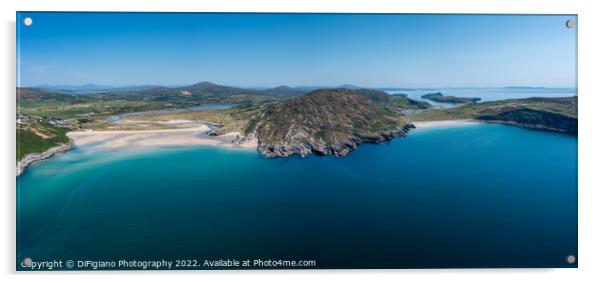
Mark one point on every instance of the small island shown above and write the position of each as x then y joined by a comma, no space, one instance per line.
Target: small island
439,97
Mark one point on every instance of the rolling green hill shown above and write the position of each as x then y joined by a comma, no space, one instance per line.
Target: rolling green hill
38,138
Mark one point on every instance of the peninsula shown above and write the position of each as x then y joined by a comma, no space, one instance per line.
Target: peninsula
277,122
327,122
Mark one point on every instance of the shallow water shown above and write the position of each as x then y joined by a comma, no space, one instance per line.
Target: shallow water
478,195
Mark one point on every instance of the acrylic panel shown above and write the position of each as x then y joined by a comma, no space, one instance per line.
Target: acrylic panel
181,141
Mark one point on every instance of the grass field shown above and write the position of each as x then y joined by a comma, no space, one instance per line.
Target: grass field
566,106
39,138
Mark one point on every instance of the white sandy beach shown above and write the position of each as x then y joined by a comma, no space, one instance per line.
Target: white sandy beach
196,135
444,123
156,138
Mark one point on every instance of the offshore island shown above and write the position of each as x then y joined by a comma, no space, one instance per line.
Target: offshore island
277,122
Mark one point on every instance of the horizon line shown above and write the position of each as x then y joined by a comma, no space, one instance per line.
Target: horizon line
286,85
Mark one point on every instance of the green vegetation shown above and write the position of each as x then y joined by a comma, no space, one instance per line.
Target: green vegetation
398,102
337,118
566,106
554,114
228,120
69,106
100,105
536,119
45,116
320,134
327,121
328,114
37,138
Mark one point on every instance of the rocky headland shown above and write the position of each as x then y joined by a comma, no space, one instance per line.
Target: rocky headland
326,122
534,119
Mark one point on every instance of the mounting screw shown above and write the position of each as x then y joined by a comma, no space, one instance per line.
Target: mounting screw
570,259
570,24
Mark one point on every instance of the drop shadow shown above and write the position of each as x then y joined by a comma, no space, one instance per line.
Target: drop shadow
9,110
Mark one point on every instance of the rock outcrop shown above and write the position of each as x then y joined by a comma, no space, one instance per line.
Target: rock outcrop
326,122
34,157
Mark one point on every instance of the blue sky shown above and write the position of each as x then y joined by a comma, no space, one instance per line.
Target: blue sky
296,49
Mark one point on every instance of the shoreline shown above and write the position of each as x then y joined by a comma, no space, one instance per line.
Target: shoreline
35,157
191,136
198,135
194,136
529,126
445,123
114,139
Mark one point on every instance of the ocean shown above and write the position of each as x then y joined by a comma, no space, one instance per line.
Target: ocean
482,195
485,93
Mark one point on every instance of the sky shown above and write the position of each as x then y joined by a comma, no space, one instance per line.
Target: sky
264,50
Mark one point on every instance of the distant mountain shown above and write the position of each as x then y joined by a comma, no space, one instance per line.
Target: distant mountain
350,86
396,89
308,88
204,87
283,91
91,88
88,86
25,94
198,88
209,87
316,87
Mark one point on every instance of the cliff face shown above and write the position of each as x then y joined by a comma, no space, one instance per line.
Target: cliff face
325,122
535,119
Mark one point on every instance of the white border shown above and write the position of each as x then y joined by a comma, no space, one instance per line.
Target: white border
590,138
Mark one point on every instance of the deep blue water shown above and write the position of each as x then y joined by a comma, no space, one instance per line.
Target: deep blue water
469,196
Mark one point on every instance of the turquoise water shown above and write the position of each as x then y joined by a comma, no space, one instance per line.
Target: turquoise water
469,196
